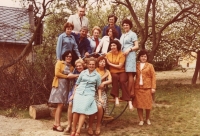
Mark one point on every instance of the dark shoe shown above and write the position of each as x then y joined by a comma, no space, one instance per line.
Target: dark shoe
90,131
58,128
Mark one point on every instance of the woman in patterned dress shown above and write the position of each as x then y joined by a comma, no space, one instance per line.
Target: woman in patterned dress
129,46
59,92
145,85
83,96
105,80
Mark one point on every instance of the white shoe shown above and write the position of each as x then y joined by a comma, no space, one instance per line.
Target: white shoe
148,122
141,123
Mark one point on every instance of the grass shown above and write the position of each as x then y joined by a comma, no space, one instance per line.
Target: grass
177,113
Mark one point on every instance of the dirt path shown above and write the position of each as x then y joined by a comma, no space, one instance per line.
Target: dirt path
30,127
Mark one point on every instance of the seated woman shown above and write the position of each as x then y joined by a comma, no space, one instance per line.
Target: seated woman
145,85
79,68
103,47
116,60
63,70
83,96
105,80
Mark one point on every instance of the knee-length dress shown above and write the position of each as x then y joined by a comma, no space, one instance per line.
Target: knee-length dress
127,41
84,98
60,87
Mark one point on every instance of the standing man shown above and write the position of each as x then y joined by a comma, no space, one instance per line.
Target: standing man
112,19
82,42
78,20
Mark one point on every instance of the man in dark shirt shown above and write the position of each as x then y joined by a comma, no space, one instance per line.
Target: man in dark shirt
82,42
112,19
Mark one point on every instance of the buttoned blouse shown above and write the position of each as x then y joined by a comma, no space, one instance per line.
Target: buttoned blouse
127,40
88,82
64,44
104,44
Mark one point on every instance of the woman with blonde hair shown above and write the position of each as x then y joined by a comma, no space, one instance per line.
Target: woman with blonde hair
94,39
83,96
79,64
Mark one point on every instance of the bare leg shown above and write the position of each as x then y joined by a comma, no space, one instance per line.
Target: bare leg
99,118
147,113
58,114
91,119
140,114
80,122
75,121
69,112
117,101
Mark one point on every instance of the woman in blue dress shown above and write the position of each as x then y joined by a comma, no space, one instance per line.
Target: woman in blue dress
79,68
129,43
84,96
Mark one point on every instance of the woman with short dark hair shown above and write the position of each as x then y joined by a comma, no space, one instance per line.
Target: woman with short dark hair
103,47
145,85
66,42
59,92
116,60
129,46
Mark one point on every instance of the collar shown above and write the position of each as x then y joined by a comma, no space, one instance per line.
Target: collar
92,74
65,35
94,39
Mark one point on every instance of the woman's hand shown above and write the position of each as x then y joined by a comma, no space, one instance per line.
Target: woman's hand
101,86
101,101
108,62
71,98
153,90
127,52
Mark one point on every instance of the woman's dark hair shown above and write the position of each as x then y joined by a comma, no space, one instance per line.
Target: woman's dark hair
114,32
66,54
101,58
117,43
142,52
127,21
112,15
67,25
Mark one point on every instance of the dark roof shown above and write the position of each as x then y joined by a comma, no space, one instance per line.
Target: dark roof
15,24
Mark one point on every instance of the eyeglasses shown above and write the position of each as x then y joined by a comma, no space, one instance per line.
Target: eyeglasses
68,56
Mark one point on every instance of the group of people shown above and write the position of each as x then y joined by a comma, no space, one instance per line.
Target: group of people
83,87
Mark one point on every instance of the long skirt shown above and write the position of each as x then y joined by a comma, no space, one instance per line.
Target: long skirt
143,98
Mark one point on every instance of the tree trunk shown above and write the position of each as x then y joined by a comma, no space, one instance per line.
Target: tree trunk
39,111
197,69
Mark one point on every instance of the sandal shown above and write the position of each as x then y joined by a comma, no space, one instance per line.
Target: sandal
97,132
58,128
77,134
72,133
90,131
67,130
